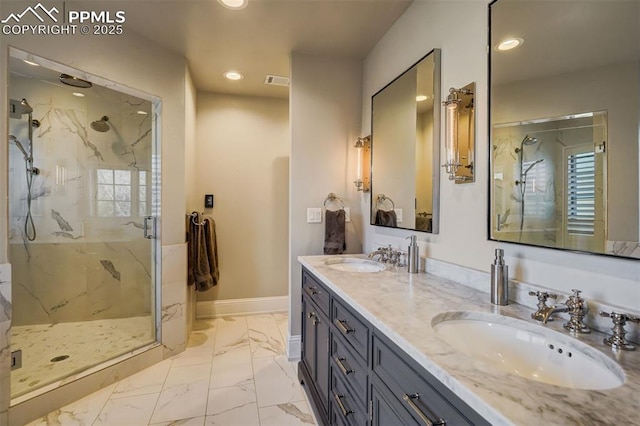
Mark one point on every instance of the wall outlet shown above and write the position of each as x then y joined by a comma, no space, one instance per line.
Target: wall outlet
347,214
314,215
398,215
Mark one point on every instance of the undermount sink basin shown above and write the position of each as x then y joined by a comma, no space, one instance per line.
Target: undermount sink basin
354,264
528,350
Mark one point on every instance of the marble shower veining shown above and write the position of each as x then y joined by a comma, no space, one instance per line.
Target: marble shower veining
85,343
89,259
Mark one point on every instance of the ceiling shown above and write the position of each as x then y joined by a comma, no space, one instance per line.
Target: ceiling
258,39
562,36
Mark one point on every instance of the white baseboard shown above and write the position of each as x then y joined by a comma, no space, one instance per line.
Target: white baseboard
294,349
259,305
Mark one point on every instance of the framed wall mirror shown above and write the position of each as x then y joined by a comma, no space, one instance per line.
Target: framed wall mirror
405,149
564,119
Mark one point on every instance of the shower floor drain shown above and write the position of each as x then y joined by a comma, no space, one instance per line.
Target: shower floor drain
59,358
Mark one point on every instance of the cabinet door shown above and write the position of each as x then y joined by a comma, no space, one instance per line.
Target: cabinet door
315,349
309,337
322,356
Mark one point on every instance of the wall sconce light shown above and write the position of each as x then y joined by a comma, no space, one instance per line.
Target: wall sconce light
363,172
460,134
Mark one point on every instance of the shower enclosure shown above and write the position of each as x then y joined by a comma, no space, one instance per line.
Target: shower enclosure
82,203
550,181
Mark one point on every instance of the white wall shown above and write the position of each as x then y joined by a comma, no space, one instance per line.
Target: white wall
463,221
242,158
325,112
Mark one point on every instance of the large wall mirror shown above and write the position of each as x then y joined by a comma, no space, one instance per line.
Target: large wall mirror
564,120
405,149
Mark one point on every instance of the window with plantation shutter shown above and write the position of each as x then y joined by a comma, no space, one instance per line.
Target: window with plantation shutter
581,193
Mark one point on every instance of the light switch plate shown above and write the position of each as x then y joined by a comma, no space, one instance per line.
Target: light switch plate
398,215
347,214
314,215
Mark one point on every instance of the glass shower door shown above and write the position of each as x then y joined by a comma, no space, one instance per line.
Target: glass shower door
81,229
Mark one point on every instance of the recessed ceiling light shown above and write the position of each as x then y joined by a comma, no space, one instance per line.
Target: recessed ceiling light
33,64
510,43
78,94
234,4
421,98
233,75
141,112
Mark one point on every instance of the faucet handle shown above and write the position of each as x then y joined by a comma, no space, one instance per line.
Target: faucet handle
617,340
543,295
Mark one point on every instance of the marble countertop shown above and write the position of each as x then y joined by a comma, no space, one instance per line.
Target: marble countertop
402,306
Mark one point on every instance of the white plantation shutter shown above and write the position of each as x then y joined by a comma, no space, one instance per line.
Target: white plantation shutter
581,193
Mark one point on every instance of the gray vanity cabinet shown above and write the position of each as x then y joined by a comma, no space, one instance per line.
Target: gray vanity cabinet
357,376
313,370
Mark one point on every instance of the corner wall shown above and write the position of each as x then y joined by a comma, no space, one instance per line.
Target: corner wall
243,160
463,220
325,110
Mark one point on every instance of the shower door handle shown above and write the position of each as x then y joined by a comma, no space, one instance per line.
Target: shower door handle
147,234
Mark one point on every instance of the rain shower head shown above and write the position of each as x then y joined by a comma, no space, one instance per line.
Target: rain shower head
26,108
70,80
101,125
526,141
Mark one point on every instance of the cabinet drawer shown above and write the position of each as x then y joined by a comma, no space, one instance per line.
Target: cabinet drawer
316,291
353,329
349,367
345,407
419,392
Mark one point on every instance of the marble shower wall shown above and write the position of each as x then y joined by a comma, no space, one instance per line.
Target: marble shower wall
5,341
83,265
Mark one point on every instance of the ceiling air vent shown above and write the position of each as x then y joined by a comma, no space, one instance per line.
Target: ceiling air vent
276,80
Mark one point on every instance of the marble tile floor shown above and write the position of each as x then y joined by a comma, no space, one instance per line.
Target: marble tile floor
233,372
85,343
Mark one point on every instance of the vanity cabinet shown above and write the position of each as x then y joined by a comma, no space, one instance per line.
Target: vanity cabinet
355,375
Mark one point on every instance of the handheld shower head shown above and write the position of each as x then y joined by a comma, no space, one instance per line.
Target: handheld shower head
532,165
101,125
19,145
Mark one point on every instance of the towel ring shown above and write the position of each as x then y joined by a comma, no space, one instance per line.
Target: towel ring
195,217
382,198
333,198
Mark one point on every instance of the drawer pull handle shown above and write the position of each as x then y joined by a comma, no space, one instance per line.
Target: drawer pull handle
312,290
342,326
409,399
338,399
345,370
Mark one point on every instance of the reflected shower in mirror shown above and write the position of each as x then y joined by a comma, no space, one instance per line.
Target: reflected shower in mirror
564,120
405,149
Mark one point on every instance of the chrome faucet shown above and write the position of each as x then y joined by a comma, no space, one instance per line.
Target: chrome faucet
388,255
575,306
